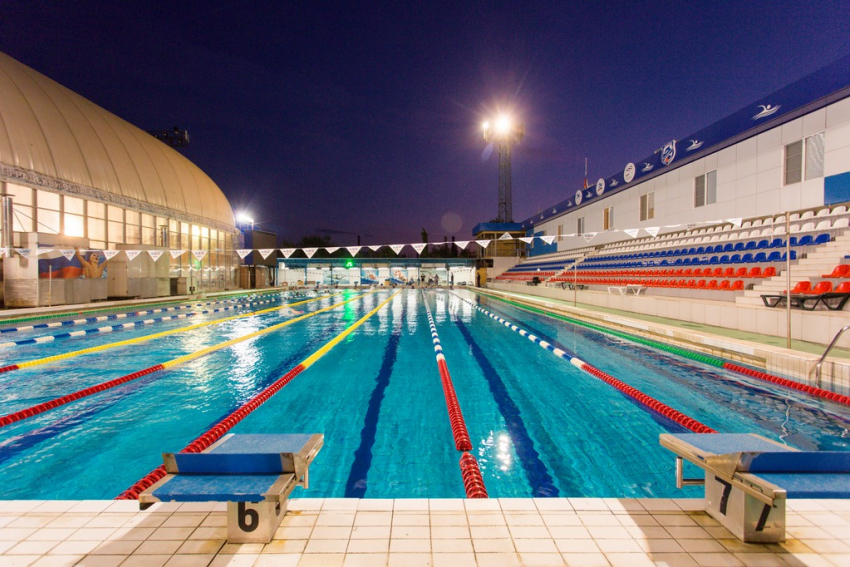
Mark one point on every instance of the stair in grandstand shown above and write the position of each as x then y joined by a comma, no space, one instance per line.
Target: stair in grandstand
817,262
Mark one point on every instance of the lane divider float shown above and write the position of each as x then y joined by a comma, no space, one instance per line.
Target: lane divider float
62,400
226,424
684,353
130,325
145,338
115,316
473,482
634,393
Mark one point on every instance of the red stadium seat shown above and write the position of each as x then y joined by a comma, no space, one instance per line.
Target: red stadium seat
701,284
755,272
768,272
737,285
712,284
840,271
741,273
724,285
729,273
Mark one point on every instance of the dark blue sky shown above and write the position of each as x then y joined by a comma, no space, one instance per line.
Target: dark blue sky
365,117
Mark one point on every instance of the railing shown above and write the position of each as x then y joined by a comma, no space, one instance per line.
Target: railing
822,358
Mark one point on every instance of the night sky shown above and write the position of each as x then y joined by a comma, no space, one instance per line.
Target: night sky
364,118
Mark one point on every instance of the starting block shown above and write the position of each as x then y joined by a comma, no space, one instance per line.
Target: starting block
254,474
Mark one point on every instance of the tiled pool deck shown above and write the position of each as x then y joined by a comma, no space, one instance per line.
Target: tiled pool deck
409,533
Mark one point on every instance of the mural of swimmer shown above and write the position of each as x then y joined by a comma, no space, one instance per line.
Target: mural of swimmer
92,266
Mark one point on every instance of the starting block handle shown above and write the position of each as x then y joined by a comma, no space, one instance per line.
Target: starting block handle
680,474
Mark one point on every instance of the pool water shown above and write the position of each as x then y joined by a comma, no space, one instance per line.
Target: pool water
539,426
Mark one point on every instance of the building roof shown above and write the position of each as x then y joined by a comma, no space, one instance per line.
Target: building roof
53,138
816,90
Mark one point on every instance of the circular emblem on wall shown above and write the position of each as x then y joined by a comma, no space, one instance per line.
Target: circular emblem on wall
600,186
668,153
578,197
629,172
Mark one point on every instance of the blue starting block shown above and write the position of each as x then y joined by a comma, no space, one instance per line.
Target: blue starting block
748,478
254,474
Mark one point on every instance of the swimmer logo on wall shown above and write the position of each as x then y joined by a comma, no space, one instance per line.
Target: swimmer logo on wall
668,153
578,197
600,186
629,173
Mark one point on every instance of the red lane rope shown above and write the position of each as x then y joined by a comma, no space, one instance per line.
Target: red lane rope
9,368
812,390
61,401
649,401
214,434
461,435
473,482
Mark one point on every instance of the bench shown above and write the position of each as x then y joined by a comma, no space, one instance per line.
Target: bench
748,478
254,474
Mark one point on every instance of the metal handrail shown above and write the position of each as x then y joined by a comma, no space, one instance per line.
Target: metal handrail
822,358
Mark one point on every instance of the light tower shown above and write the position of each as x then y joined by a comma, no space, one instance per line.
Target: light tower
504,132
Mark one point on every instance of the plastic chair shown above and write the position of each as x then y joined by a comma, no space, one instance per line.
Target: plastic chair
840,271
712,284
729,273
822,239
741,273
768,272
701,284
802,287
755,272
724,285
737,285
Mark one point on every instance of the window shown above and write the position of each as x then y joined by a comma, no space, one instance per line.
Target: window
48,212
608,218
814,156
647,206
580,226
794,162
705,189
560,231
22,210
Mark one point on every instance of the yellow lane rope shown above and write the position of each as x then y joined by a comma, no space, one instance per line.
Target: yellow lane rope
202,352
137,340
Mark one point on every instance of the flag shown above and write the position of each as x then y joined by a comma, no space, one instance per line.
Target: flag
585,173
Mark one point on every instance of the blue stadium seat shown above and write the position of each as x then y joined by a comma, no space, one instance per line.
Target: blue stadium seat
823,238
762,244
760,257
806,240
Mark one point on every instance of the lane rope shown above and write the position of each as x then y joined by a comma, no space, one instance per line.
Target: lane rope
634,393
226,424
473,482
130,325
109,309
684,353
62,400
145,338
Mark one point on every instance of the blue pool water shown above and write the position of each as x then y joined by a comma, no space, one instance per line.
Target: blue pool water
539,426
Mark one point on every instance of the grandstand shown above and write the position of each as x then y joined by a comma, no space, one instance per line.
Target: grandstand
705,226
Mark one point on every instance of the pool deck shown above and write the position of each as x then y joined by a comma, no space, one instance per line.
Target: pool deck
582,532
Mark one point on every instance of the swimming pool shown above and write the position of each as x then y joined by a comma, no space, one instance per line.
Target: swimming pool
539,426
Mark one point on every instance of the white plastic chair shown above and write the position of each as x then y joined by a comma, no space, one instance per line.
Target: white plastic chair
841,223
839,210
823,212
795,217
756,223
807,215
767,231
822,225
